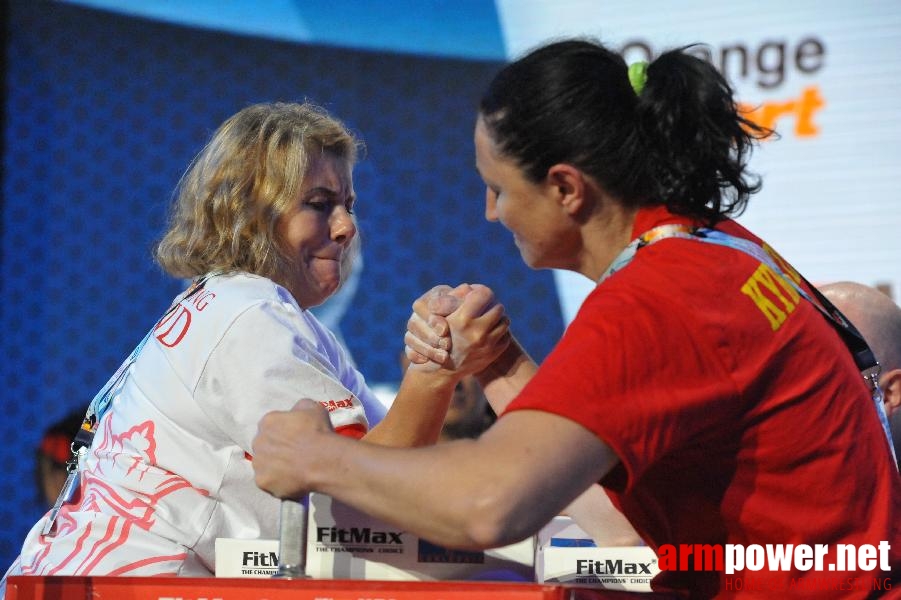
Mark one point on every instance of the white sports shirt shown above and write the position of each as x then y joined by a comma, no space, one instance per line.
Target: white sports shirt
169,469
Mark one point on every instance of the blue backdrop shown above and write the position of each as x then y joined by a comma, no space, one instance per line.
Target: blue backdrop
102,114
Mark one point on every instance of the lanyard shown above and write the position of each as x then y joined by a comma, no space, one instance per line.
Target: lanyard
99,406
863,356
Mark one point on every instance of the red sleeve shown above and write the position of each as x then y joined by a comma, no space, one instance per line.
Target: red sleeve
631,369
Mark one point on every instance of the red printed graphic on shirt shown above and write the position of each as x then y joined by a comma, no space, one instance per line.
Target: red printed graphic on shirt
172,328
134,454
333,405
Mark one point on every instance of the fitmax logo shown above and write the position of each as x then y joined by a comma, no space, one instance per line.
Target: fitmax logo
259,559
611,567
357,535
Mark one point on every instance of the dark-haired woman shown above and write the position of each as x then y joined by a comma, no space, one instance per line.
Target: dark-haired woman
697,384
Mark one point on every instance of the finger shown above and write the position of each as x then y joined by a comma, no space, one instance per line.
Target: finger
461,290
417,346
501,330
425,331
494,324
443,304
421,304
439,325
305,404
415,357
494,315
479,300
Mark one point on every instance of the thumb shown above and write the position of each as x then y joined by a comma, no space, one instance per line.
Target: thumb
444,304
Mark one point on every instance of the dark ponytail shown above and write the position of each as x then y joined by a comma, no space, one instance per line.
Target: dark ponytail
680,142
699,141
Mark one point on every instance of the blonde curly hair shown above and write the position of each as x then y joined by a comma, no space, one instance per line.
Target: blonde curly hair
230,199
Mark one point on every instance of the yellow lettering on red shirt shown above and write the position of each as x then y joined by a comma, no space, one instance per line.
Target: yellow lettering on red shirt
764,280
777,284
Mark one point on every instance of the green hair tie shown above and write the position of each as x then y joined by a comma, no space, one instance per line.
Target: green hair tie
638,76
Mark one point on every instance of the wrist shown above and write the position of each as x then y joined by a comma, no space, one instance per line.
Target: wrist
433,376
506,364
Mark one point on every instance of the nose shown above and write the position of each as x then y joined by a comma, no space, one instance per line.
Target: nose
490,205
343,226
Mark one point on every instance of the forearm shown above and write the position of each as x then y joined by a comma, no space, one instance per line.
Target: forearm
418,411
470,493
409,488
507,376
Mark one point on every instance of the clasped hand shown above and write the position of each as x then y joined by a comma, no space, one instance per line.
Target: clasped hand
453,332
462,329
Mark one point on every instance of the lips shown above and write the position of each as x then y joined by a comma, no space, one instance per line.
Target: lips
336,256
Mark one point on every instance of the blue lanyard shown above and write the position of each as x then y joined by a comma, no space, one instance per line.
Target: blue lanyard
99,406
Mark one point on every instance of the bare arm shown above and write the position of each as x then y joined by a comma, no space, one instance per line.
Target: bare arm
504,378
480,493
428,338
594,512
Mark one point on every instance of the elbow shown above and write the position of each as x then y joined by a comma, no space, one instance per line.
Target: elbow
493,521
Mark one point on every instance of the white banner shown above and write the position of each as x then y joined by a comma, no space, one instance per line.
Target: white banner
825,74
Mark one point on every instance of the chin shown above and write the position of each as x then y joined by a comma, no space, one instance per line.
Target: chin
531,261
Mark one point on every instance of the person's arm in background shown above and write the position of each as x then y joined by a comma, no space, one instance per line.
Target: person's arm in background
595,513
417,413
428,340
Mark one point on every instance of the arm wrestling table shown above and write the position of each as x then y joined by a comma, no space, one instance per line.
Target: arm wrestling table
187,588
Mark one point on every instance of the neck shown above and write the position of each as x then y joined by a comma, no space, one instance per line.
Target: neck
604,237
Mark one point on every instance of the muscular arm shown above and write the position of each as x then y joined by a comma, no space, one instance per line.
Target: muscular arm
480,493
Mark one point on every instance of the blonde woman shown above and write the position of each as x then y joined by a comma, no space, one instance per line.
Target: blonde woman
263,224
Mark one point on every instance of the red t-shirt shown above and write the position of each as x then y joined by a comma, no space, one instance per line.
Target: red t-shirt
737,413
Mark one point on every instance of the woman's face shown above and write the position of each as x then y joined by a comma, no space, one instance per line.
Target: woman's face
317,230
527,209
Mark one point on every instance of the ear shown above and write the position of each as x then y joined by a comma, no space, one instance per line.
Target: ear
568,184
891,388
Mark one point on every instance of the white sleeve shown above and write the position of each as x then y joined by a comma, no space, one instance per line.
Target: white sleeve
347,372
267,360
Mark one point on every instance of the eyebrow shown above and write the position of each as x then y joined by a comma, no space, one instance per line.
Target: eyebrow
326,191
320,190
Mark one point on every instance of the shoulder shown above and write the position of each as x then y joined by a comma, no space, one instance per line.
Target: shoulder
228,303
245,288
227,297
258,306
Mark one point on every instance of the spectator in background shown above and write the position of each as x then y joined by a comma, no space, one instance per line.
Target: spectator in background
52,454
878,318
469,413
